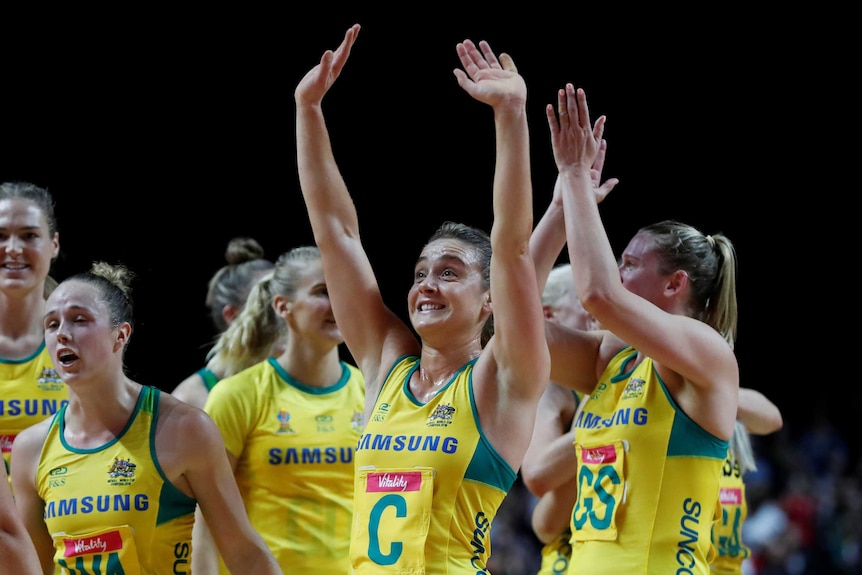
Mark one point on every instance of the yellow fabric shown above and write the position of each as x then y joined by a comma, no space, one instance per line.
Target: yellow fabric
647,479
727,530
294,446
425,466
30,391
110,509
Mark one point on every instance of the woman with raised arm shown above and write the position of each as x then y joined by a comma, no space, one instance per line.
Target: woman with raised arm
661,373
448,415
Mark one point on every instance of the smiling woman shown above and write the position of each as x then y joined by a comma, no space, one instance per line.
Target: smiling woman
467,397
30,389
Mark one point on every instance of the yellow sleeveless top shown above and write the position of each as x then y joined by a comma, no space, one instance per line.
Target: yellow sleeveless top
647,479
428,482
110,509
294,446
30,391
727,530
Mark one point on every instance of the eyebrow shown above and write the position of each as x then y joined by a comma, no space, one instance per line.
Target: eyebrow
444,258
71,307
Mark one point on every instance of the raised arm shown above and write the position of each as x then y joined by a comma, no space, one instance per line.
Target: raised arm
514,367
372,333
689,353
549,237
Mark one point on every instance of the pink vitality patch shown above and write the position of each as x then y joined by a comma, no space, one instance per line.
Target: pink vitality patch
99,544
388,482
6,442
730,496
603,454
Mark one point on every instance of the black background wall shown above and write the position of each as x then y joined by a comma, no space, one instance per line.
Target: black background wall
163,135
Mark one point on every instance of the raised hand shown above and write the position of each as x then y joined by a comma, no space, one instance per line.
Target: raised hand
601,189
576,144
488,79
317,81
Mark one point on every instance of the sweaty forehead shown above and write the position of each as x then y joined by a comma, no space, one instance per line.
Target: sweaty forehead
640,245
19,212
73,293
448,249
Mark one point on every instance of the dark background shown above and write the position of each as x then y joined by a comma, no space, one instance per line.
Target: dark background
163,135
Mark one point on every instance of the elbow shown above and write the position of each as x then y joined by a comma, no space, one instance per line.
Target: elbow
598,302
775,423
535,482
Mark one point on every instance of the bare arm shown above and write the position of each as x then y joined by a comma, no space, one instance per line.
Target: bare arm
689,354
553,511
374,335
207,470
205,556
25,458
192,390
550,458
17,553
513,369
757,412
549,237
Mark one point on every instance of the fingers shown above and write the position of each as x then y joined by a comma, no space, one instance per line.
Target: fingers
342,53
562,106
583,109
489,56
599,129
508,63
467,54
572,108
552,119
599,162
475,58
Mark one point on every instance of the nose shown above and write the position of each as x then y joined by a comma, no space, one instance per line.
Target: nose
62,333
13,245
428,283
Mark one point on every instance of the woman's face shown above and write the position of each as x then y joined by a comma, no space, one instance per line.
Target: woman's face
448,291
26,246
639,269
78,332
311,314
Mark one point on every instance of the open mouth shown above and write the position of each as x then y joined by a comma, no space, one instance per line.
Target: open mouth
66,358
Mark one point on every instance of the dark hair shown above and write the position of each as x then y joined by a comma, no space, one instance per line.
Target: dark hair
710,262
231,284
480,242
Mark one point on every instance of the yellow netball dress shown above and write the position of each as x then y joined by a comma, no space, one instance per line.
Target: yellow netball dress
727,530
110,509
294,446
30,391
556,555
428,483
647,479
